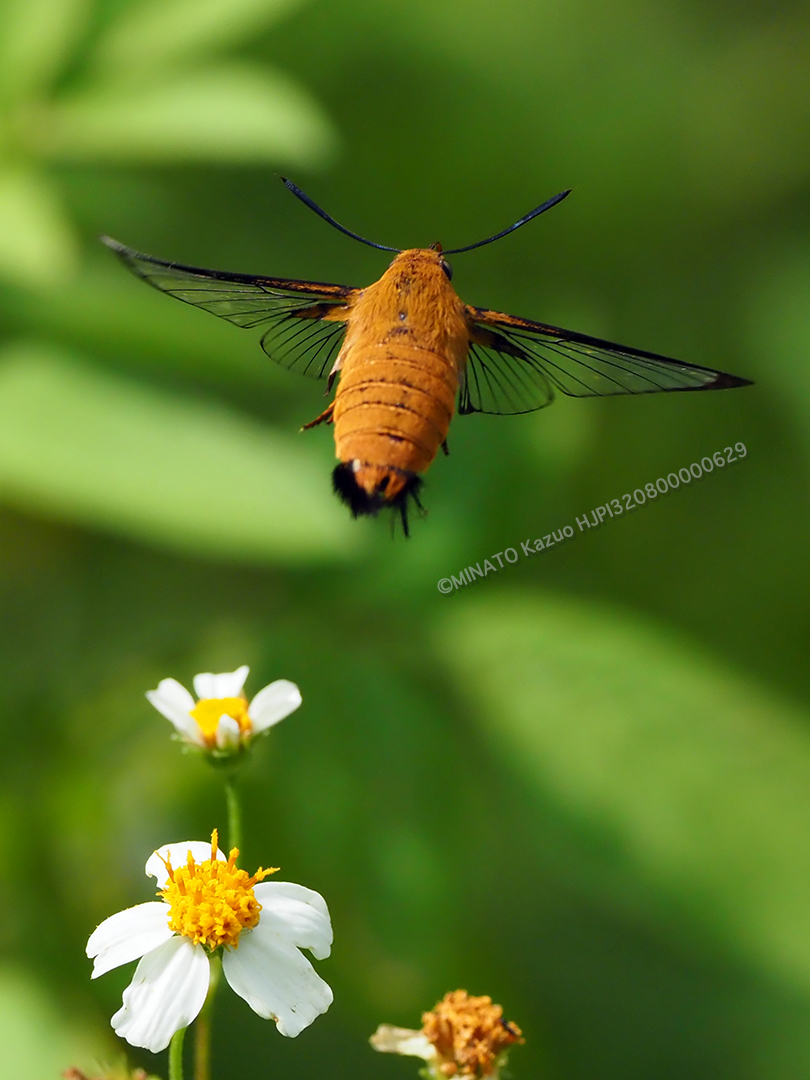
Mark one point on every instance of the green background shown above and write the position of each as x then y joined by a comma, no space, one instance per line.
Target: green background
581,785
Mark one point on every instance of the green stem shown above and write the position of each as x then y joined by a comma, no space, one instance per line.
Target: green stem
234,813
202,1027
176,1055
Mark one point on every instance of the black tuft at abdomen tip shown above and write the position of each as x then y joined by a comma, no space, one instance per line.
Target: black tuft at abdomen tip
361,504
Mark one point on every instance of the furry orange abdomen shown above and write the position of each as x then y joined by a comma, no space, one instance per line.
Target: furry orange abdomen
405,349
393,408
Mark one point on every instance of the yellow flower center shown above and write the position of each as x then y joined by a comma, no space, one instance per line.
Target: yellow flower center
208,711
212,902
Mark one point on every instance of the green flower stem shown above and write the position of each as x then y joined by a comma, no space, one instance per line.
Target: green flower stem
234,813
176,1055
202,1027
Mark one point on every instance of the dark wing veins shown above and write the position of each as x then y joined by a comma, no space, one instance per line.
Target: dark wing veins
307,319
514,366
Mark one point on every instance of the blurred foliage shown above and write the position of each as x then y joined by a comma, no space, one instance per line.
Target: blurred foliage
581,786
83,82
39,1035
727,832
88,444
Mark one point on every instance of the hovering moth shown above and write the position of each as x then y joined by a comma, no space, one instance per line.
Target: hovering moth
406,353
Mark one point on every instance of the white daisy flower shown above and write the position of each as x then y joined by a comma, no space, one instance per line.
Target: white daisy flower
208,905
222,719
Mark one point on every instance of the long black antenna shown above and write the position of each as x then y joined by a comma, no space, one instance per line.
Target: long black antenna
302,195
504,232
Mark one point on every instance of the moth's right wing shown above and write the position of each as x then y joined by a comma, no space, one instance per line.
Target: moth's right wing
514,365
307,319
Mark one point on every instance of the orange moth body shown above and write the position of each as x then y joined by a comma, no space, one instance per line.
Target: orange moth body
407,354
400,366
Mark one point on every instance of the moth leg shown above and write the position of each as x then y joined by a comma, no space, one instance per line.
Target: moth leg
338,364
446,448
324,418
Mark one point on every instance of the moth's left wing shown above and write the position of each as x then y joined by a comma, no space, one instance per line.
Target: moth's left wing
514,365
307,319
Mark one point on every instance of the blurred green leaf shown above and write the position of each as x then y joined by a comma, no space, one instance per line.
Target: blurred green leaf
36,37
110,313
102,451
160,32
38,1039
700,778
224,113
37,244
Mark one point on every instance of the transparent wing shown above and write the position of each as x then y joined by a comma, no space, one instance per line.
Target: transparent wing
501,382
307,318
514,365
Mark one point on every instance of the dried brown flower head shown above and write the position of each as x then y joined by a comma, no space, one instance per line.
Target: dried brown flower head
468,1033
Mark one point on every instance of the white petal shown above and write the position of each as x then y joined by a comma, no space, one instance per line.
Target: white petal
276,980
298,915
397,1040
178,853
128,935
176,703
229,733
273,703
228,684
166,993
